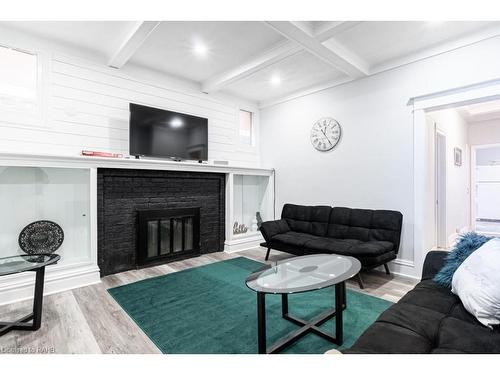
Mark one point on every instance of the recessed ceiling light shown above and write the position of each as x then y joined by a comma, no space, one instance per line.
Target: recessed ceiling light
176,122
275,80
200,49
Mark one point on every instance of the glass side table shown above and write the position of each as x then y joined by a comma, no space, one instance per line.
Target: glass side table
299,275
23,263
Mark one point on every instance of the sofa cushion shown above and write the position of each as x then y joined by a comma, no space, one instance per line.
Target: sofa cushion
420,320
269,229
373,248
366,225
458,335
382,337
459,312
349,247
307,219
428,319
332,245
294,238
430,295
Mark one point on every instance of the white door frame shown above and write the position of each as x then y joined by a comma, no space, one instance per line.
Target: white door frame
440,189
424,194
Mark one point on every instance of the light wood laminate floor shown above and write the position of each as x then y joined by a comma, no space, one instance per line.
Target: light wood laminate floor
88,320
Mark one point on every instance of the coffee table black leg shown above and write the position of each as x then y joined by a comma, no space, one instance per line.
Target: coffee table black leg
284,305
339,307
36,316
38,300
261,322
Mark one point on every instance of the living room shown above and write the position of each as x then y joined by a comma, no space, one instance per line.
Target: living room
249,185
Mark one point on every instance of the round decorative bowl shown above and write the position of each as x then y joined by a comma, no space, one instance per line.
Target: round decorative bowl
41,237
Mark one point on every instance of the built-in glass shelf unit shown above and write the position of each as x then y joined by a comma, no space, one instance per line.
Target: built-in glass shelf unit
61,195
250,194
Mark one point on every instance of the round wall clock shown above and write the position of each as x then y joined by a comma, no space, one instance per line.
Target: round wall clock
325,134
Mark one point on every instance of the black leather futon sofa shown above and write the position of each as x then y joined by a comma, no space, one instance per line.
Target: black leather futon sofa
428,319
371,236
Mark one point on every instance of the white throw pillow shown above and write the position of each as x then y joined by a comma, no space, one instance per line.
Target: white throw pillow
477,283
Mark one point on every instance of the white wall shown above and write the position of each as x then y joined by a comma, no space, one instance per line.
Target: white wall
372,167
86,106
455,128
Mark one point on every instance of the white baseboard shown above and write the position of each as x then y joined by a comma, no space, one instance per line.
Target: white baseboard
19,287
243,243
402,267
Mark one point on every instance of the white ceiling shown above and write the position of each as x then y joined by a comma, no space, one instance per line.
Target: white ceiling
169,48
242,57
381,42
298,71
96,36
483,111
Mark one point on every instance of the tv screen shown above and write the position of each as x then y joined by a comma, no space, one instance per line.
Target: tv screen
165,134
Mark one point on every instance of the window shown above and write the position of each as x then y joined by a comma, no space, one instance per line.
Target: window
19,85
246,127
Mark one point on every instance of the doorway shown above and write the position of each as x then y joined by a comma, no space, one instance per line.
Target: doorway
424,238
448,178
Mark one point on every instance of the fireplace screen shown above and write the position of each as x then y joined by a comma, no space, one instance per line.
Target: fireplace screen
169,233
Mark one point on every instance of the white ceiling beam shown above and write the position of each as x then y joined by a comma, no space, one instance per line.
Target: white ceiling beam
333,28
338,60
134,39
279,52
305,26
325,30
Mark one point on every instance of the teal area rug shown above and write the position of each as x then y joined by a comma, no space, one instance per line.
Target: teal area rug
209,309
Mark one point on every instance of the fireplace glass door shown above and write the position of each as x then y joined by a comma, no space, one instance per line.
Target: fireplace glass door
170,233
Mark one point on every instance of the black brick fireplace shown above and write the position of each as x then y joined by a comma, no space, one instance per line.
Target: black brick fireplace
182,215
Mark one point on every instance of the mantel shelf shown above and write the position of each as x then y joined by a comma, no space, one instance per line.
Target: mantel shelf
103,162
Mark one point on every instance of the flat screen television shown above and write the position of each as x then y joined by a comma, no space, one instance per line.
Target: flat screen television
164,134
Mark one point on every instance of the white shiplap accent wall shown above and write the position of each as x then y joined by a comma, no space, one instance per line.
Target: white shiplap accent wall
87,107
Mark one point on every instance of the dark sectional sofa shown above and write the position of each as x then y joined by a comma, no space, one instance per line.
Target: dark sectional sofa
428,319
372,236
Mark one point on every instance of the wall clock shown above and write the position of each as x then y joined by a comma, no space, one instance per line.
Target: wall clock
325,134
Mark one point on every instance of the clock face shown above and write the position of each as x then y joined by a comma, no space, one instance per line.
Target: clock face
325,134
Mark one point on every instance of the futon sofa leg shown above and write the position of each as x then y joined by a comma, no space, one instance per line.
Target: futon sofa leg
360,281
267,254
387,269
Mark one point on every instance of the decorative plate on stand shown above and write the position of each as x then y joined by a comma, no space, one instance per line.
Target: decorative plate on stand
41,237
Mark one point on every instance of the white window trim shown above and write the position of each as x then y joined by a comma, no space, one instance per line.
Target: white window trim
39,120
252,144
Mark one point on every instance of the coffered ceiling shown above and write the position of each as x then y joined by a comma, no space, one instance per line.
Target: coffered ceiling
262,61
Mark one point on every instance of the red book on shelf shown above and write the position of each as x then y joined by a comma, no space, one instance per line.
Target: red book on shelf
101,154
